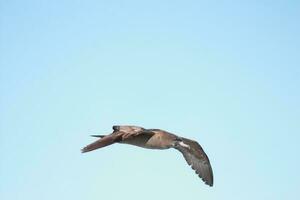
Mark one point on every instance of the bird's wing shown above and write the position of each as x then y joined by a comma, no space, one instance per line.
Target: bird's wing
102,142
120,133
129,131
196,157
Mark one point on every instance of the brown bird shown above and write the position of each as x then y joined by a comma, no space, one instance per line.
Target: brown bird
158,139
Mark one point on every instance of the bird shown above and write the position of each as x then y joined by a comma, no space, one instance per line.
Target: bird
158,139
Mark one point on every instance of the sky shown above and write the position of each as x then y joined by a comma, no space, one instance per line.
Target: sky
224,73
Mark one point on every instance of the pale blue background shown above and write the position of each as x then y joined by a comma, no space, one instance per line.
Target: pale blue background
225,73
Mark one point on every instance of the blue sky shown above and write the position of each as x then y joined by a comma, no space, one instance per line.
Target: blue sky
225,73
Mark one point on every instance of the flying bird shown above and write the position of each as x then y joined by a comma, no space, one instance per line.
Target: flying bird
158,139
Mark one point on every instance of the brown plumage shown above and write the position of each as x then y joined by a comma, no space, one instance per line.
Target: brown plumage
158,139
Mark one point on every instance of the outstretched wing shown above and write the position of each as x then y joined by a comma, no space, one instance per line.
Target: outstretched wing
120,133
128,129
104,141
196,157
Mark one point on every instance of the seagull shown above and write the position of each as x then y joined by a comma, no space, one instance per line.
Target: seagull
158,139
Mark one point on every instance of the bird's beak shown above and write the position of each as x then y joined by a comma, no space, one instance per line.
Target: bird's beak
100,136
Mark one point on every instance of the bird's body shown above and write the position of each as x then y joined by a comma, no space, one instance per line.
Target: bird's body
158,139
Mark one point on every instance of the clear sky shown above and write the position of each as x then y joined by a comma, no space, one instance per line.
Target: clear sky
225,73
